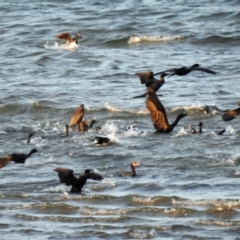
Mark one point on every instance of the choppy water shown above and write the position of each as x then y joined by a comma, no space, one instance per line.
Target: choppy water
187,185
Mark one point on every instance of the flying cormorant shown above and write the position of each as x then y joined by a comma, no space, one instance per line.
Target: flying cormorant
186,70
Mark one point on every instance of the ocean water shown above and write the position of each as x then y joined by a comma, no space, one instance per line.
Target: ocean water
187,186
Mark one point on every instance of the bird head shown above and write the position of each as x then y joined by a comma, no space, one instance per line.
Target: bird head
135,163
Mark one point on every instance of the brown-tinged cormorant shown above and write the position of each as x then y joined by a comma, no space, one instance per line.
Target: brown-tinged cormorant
133,171
231,114
148,79
5,161
158,113
182,71
67,37
66,176
193,130
20,157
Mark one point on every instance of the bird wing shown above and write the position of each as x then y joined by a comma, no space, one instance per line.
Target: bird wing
157,111
66,176
203,70
168,70
156,85
144,76
83,179
77,116
94,176
230,114
65,36
5,161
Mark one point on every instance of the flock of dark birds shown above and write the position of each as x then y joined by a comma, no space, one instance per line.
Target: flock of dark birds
154,106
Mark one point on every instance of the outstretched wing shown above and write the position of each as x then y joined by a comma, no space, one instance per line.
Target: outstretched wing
203,70
77,116
230,114
156,85
157,111
65,36
5,161
145,76
94,176
66,176
83,179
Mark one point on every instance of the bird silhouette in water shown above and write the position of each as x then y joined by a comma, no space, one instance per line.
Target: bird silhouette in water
133,173
20,157
4,161
66,176
148,79
182,71
158,113
194,131
66,130
68,39
29,137
231,114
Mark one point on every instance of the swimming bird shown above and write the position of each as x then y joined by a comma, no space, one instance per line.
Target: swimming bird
182,71
20,157
29,137
231,114
5,161
103,141
148,79
193,130
158,113
133,173
66,176
68,39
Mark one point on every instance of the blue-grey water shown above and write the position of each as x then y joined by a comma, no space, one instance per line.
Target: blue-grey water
187,185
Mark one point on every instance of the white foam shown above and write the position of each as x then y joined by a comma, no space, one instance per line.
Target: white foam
137,39
181,132
72,46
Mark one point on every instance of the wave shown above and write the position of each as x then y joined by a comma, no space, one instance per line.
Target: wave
138,39
115,109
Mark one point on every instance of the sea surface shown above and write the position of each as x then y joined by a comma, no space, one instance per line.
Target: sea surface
187,186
